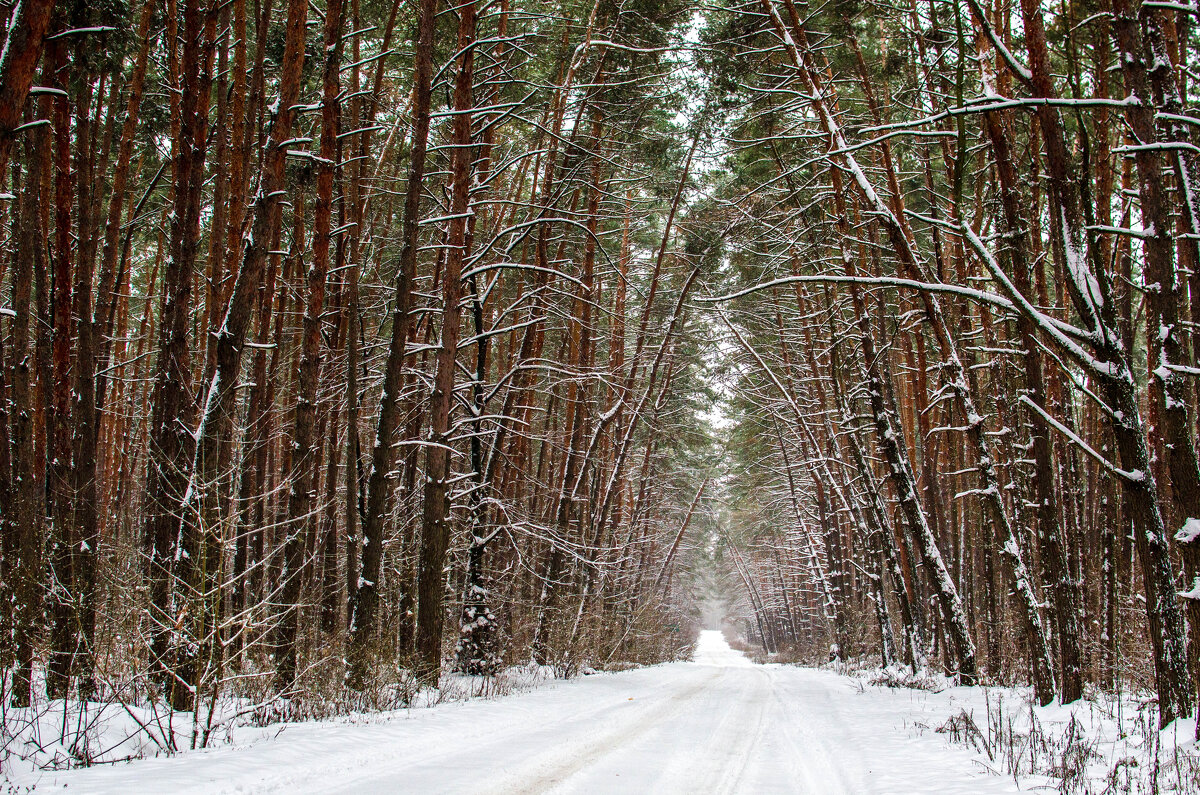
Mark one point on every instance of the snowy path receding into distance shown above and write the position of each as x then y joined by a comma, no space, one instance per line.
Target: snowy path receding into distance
719,724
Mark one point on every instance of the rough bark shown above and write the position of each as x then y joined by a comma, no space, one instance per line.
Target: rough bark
365,601
435,518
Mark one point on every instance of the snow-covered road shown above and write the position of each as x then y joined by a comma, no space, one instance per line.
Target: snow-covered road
719,724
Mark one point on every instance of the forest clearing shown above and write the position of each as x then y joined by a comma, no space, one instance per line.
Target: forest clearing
372,367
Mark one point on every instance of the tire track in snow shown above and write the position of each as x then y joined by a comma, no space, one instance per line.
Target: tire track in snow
580,756
716,721
810,761
747,738
730,732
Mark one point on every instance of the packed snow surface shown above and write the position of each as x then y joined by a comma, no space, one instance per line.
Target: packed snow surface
718,724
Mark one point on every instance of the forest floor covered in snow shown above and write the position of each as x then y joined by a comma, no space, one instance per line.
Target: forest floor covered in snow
717,724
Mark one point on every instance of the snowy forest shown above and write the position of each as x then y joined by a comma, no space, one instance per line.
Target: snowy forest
353,348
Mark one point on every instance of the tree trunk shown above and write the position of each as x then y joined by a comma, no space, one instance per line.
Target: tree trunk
305,442
365,600
435,519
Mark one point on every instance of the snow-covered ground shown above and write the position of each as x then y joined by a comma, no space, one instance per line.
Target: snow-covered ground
718,724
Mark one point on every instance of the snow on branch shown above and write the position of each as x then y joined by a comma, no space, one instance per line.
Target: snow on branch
1135,476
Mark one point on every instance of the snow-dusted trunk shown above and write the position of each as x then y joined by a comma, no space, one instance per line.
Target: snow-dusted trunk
1149,76
579,353
303,461
171,443
59,490
355,548
1109,361
886,535
85,531
816,565
435,519
477,648
475,651
889,432
204,500
364,590
23,530
888,429
868,516
19,54
887,643
1065,591
8,524
582,358
248,531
